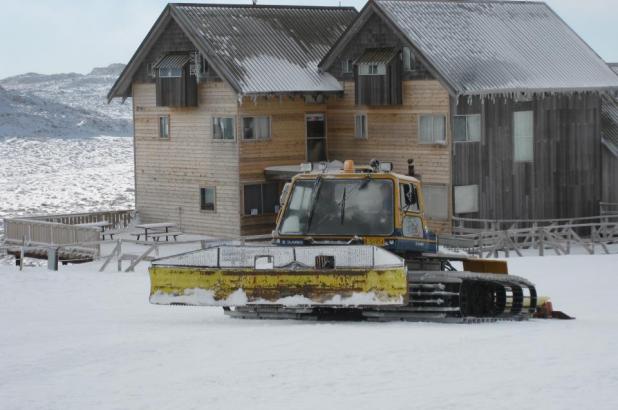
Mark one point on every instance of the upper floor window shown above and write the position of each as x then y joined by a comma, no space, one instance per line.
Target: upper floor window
223,128
523,136
432,129
170,72
164,126
347,66
467,128
360,126
372,69
256,128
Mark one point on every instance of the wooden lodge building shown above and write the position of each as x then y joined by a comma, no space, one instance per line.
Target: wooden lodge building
500,105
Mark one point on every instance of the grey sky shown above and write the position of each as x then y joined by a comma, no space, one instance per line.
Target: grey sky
66,35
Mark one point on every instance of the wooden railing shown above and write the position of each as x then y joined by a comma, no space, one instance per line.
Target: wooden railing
608,208
491,237
37,232
118,219
62,229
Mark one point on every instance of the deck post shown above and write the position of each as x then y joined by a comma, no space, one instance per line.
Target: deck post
52,258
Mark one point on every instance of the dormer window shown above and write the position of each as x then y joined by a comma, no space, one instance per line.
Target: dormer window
170,72
378,81
372,69
176,84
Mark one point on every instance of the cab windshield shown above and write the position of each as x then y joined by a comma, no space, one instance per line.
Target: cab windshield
339,207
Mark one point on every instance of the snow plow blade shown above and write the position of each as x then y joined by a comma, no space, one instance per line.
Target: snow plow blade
333,276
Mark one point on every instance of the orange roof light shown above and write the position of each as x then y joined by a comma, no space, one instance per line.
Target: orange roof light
348,165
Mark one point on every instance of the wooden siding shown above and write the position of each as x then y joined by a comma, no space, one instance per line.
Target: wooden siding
171,40
377,90
177,92
563,179
609,177
170,172
287,146
393,133
375,34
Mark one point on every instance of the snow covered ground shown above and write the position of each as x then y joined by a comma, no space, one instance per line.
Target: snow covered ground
62,175
79,339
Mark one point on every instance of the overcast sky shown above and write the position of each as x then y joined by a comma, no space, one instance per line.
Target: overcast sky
70,35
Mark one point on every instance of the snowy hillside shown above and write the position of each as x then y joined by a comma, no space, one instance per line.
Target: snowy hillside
80,339
62,105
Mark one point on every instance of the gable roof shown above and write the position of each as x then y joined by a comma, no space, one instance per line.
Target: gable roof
256,49
491,47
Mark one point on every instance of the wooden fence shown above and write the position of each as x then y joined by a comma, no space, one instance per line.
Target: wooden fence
491,237
119,219
38,231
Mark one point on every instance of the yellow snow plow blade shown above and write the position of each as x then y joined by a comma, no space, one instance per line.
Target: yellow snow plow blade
307,276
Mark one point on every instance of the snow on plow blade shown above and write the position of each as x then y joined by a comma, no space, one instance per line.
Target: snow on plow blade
288,276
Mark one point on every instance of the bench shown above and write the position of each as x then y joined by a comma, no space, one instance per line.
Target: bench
158,235
110,234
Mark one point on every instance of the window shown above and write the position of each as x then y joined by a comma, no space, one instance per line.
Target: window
406,56
223,128
408,198
164,127
203,65
467,128
523,135
207,199
432,129
436,201
347,66
170,72
261,199
372,69
340,207
360,126
466,199
256,128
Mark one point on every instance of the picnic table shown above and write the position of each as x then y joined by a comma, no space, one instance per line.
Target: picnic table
102,226
157,230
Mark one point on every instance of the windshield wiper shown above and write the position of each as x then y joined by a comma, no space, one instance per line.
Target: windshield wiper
316,191
342,204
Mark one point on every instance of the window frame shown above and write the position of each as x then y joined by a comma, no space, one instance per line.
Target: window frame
166,137
433,141
214,122
347,66
214,202
170,72
367,69
467,137
530,137
261,184
270,127
365,135
427,206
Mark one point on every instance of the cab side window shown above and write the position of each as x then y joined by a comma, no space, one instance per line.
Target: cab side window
408,197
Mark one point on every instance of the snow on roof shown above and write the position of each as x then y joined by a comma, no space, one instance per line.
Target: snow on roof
173,61
485,47
377,55
614,66
266,49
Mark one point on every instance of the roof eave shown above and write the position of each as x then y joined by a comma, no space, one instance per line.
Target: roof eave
499,91
122,84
